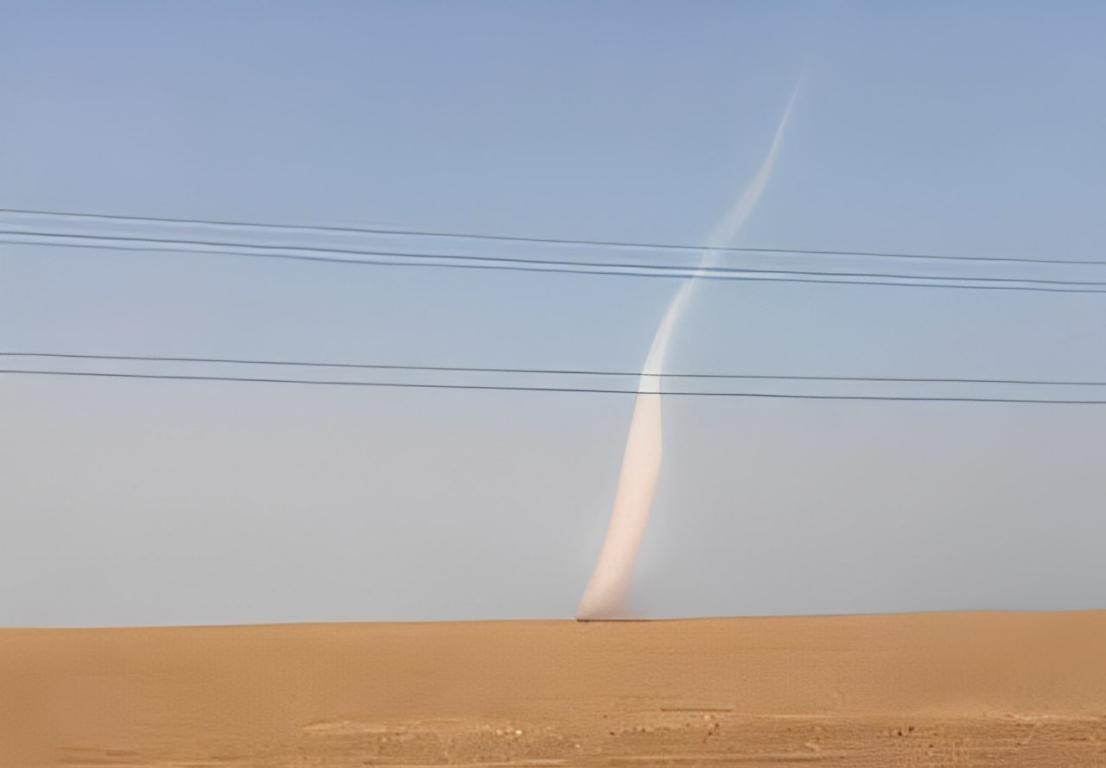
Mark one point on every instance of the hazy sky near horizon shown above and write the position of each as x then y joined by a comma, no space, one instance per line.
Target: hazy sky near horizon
949,128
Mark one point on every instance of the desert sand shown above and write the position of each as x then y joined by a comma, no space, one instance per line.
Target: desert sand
952,689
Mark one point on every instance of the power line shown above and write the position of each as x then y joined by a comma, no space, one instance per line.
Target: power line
678,270
544,240
569,267
585,390
550,371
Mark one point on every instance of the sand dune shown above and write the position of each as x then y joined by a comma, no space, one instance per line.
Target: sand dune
965,689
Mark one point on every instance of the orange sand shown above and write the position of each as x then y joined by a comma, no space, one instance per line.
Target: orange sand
963,689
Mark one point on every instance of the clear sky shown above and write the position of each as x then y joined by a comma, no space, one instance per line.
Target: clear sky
952,128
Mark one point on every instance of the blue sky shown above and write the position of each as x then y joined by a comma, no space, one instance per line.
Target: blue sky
963,129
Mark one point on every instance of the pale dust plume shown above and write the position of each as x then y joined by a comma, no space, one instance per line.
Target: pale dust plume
641,461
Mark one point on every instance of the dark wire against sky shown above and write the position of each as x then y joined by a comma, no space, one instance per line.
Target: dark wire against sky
332,255
617,244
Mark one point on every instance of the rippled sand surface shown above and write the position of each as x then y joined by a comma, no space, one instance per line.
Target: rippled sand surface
956,689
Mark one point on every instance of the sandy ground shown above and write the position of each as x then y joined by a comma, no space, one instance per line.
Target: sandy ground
959,689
